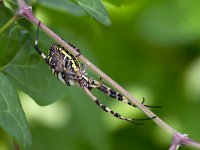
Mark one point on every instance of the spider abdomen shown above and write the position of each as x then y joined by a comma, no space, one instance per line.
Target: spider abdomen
63,64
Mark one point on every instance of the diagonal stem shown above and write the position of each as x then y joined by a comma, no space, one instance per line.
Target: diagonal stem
26,11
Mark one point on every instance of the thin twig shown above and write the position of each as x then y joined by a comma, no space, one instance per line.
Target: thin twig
26,11
10,22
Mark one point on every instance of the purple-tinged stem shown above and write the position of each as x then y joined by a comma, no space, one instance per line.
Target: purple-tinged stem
178,139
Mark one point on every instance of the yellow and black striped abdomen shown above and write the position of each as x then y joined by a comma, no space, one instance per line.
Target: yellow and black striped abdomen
63,64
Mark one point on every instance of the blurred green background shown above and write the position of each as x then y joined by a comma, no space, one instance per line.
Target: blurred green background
152,49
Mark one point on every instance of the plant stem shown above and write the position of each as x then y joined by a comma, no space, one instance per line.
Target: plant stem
9,23
26,12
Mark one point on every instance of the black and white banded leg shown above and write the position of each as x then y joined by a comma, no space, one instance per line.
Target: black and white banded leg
114,94
36,44
77,49
107,109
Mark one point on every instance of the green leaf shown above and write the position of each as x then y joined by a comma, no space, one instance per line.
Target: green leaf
36,82
12,117
63,5
5,15
120,2
11,41
24,67
33,77
95,9
13,4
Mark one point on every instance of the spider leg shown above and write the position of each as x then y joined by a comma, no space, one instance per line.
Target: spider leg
78,50
69,78
114,94
105,108
101,81
36,44
143,100
110,92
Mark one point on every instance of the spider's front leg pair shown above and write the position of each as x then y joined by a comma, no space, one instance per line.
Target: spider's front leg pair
40,51
36,44
63,64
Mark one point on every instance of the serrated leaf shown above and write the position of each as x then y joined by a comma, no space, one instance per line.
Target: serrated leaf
95,9
12,117
34,79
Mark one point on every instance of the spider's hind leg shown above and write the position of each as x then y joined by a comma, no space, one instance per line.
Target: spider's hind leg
143,100
107,109
113,94
116,95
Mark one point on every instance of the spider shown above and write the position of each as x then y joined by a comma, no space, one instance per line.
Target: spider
66,68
